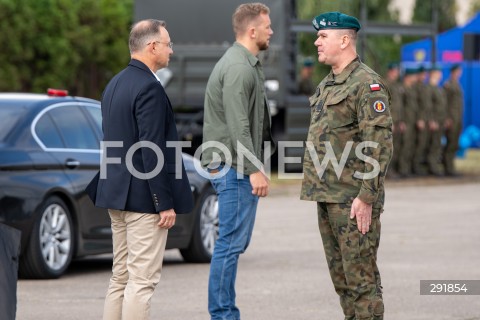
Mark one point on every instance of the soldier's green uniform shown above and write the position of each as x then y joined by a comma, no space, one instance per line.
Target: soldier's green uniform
349,109
423,112
305,84
439,102
408,142
454,94
396,111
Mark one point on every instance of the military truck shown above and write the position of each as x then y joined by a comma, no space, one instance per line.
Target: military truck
201,31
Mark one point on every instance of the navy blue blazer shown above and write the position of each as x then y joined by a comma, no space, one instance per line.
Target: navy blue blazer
136,108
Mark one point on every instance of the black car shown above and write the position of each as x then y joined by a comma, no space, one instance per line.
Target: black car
49,152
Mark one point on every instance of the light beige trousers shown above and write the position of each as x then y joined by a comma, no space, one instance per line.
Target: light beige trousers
138,249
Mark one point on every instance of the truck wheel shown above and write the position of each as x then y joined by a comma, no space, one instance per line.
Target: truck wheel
205,231
50,247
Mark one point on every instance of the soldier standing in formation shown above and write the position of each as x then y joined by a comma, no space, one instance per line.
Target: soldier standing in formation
350,109
435,123
423,109
453,121
423,112
305,84
409,101
396,110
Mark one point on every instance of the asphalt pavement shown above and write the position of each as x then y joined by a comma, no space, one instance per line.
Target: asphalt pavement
430,231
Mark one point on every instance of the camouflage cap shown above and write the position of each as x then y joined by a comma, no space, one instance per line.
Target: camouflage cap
335,20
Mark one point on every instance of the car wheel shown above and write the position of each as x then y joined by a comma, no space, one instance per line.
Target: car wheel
50,247
205,229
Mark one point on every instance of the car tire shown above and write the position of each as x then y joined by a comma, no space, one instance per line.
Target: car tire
51,244
205,229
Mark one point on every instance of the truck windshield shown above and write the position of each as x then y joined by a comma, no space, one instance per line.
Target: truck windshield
9,116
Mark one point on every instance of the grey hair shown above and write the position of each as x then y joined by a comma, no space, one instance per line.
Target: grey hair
352,34
142,32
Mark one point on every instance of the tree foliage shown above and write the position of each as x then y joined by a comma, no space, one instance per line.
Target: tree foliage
73,44
474,8
446,13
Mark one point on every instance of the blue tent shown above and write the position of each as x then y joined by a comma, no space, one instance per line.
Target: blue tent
449,51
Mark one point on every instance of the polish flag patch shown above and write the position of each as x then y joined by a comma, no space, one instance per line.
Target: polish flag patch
375,87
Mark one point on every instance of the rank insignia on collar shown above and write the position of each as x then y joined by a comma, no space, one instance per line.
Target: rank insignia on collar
375,87
379,106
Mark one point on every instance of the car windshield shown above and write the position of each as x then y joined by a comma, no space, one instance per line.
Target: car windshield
9,116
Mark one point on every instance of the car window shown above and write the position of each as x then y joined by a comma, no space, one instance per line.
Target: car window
96,114
9,116
48,133
74,128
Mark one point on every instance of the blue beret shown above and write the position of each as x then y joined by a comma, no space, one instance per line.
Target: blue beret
335,20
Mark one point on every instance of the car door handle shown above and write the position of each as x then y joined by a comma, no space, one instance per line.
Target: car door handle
72,164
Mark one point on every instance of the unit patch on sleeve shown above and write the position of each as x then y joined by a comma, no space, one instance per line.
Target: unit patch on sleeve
379,106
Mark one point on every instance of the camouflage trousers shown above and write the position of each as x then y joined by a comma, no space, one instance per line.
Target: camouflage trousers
406,151
435,152
397,144
452,135
419,155
352,260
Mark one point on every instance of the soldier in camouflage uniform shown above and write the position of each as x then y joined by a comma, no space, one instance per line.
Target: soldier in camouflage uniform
348,150
435,124
305,82
409,106
453,121
423,111
396,110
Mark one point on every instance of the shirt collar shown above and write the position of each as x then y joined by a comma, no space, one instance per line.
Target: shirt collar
158,79
342,77
251,58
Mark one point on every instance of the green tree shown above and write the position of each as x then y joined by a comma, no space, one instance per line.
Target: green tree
474,8
446,13
73,44
103,38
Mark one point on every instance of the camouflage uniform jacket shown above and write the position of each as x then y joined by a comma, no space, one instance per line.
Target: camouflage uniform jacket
454,100
439,100
396,104
424,101
346,110
410,104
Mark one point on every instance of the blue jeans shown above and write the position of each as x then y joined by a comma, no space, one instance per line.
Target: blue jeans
237,209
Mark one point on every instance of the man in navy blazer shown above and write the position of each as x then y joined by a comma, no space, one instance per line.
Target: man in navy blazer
137,181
